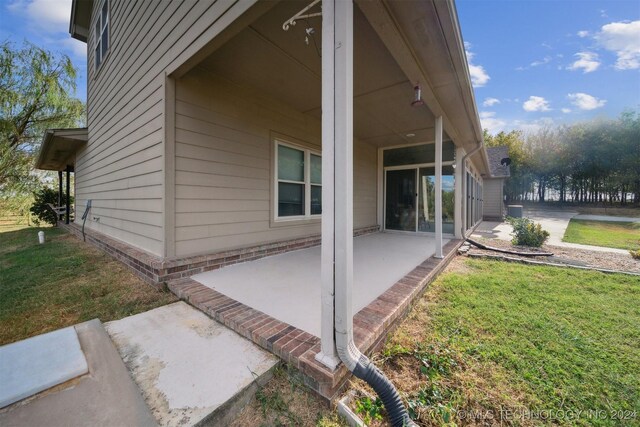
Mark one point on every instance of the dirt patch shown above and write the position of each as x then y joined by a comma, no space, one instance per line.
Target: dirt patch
284,401
458,265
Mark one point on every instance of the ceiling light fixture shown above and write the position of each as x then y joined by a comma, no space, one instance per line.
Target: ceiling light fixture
417,96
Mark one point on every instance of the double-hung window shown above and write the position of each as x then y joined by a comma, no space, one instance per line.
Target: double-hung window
298,182
102,34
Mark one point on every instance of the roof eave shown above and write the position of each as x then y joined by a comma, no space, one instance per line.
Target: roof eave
74,138
80,19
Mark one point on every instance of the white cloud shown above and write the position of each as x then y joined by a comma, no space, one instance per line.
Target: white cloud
76,47
622,38
479,76
566,110
49,16
585,101
543,61
490,122
583,34
533,126
536,103
587,61
489,102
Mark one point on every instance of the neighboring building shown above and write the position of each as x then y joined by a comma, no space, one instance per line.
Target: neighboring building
494,207
204,145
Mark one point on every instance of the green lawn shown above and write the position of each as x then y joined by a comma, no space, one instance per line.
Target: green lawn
509,341
621,235
63,282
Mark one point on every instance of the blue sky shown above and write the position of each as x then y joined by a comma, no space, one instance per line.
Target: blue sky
538,63
533,62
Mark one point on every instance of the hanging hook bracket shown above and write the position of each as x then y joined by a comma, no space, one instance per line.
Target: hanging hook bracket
301,15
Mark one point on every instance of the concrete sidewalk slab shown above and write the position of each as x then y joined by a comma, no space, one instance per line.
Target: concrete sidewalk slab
554,221
186,364
608,218
30,366
106,396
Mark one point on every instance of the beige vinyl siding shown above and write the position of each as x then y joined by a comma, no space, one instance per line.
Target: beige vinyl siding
122,167
492,193
224,178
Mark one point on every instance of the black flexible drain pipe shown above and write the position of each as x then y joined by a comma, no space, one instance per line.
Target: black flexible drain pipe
84,218
367,371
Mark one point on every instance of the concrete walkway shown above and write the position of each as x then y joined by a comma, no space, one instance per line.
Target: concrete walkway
607,218
555,222
188,370
189,366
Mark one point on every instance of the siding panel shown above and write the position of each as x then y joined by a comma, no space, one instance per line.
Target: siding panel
122,167
224,144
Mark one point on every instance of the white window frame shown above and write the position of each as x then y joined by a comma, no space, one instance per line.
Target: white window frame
104,26
307,183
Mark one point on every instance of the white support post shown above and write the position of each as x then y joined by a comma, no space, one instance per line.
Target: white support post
337,175
459,215
438,188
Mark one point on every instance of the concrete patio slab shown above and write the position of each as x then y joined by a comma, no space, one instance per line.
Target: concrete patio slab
186,364
271,284
106,396
30,366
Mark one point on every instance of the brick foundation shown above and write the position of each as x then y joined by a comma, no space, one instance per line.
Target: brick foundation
157,271
298,348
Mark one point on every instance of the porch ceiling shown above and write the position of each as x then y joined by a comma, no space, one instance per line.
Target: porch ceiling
59,147
280,64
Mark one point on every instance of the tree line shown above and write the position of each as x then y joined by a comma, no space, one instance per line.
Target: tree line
597,161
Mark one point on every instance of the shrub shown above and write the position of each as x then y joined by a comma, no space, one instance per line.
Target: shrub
527,232
40,209
635,254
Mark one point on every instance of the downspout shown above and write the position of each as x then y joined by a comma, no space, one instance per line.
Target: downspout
337,171
464,187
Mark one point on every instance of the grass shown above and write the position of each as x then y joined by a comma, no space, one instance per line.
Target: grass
621,235
506,342
63,282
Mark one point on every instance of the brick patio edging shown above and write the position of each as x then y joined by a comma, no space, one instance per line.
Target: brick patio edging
298,348
157,271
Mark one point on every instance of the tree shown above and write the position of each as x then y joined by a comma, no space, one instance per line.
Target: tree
37,91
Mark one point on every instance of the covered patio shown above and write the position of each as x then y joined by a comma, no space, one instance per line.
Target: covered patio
287,286
361,119
256,298
58,153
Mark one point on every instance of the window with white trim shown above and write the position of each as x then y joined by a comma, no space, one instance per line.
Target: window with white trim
102,34
298,189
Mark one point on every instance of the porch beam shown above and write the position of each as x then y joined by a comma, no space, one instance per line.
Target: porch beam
337,176
438,189
384,24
